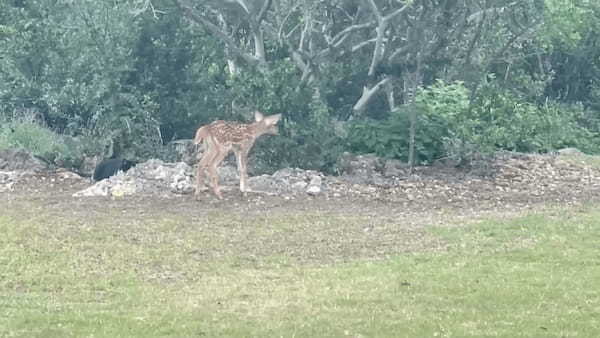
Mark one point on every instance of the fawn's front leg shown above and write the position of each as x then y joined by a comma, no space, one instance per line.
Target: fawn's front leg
242,159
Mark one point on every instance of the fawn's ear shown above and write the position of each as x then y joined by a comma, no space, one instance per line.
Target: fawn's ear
272,119
258,116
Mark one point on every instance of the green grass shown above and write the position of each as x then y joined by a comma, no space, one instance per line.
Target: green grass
534,275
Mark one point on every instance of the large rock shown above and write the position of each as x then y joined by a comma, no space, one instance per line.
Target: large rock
314,186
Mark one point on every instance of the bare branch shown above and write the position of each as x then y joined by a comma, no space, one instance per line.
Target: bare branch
362,44
383,21
476,37
379,47
263,11
399,52
244,5
397,12
346,32
223,36
375,10
305,30
367,94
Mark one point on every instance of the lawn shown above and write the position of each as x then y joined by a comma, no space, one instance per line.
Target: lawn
525,274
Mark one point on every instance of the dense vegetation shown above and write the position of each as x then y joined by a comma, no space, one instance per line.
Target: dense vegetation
415,80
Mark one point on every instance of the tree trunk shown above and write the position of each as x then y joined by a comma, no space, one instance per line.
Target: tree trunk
411,83
409,94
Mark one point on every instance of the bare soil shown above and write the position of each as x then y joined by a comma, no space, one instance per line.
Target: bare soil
349,222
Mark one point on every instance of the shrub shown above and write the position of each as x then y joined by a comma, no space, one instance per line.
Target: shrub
26,133
452,124
440,111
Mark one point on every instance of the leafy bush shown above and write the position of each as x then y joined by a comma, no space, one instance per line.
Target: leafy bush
28,133
440,112
450,124
498,119
31,135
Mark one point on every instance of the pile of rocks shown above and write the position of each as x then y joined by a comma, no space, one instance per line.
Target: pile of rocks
156,177
508,178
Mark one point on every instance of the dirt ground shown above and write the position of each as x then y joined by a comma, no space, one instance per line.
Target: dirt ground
365,222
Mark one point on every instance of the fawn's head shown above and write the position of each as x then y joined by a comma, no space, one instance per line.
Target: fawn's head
267,124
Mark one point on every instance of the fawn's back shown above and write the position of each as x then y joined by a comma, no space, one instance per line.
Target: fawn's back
232,133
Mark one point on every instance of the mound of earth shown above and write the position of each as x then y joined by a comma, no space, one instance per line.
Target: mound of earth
508,179
21,160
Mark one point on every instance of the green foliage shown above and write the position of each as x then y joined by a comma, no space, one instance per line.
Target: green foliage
570,37
440,113
451,124
498,119
133,79
381,138
29,133
181,71
70,62
32,136
308,139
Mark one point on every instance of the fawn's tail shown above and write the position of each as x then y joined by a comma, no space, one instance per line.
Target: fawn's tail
201,134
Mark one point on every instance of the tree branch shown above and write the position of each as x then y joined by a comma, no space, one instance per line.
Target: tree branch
367,94
263,11
244,5
214,29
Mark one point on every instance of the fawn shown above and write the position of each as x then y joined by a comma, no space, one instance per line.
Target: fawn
221,137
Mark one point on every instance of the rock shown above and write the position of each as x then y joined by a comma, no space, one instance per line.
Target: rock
64,174
151,177
8,179
570,151
299,186
228,175
265,184
101,188
181,183
512,176
123,189
117,185
314,187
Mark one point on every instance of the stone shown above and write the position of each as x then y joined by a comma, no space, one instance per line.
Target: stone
314,187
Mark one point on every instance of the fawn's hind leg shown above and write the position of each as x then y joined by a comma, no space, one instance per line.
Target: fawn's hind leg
203,165
213,173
